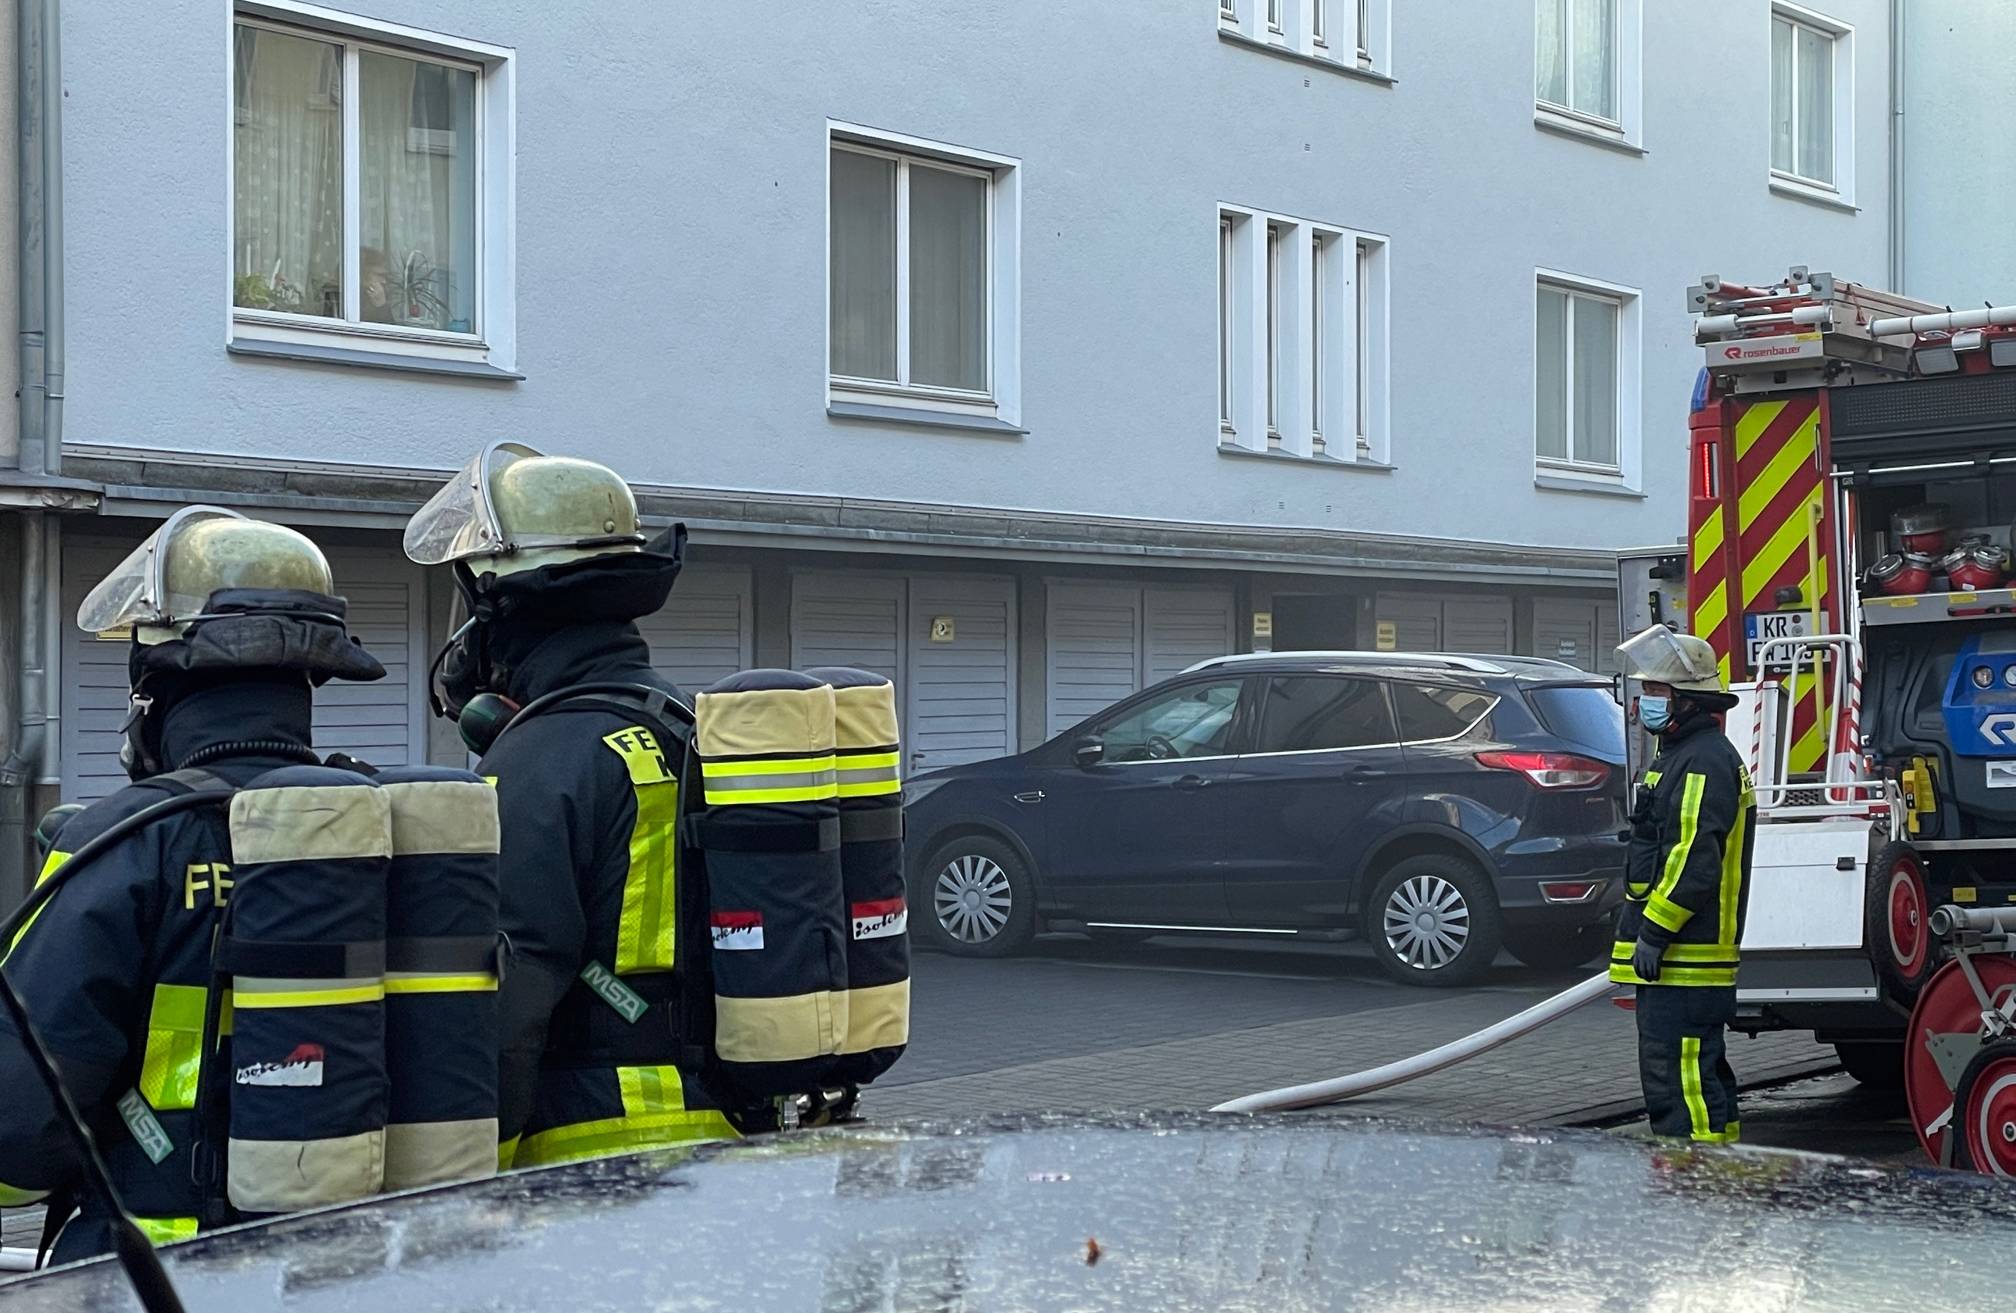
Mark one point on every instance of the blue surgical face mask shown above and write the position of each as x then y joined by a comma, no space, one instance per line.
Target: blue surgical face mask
1655,713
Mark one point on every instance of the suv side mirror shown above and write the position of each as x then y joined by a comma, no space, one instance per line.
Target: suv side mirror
1088,752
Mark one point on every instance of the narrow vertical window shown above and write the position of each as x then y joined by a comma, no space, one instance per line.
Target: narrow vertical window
1273,333
1316,23
1361,295
1576,383
1364,31
1316,346
1274,15
1225,324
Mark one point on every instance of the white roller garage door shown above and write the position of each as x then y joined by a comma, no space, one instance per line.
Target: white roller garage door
382,722
957,690
1105,641
1580,631
706,630
1447,622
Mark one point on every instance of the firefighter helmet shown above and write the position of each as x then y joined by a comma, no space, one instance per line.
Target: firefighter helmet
514,508
1657,655
167,580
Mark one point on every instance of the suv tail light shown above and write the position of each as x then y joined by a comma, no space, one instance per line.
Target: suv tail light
1550,770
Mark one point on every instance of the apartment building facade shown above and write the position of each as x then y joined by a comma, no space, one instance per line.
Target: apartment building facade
1026,355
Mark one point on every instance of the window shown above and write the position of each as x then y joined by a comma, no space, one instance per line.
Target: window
1346,34
1301,337
1316,713
1582,715
1224,324
1228,10
1274,15
1365,31
920,277
1431,713
1576,58
1811,99
1193,721
1316,22
369,189
1577,341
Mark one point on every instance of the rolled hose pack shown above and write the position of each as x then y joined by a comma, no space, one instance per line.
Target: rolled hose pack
868,760
304,943
440,977
769,835
1336,1090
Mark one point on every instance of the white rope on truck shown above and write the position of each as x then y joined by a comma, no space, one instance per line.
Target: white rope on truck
1424,1064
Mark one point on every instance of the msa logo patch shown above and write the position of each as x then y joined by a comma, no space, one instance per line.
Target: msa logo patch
885,918
302,1067
737,932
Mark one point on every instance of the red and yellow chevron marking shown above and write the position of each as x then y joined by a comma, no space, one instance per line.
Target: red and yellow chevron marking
1768,529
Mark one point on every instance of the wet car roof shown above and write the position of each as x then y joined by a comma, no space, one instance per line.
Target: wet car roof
1187,1212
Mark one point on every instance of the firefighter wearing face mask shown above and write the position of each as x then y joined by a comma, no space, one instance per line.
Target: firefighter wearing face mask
234,625
553,573
1687,870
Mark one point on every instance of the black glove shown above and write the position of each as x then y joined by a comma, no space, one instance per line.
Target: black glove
1645,959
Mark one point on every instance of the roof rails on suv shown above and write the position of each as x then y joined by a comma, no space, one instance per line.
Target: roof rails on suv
1474,663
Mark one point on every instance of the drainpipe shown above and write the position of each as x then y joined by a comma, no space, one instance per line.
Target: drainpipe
39,145
1897,148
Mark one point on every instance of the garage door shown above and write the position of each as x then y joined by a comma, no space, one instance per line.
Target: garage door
381,722
955,678
1106,641
1447,622
1580,631
706,632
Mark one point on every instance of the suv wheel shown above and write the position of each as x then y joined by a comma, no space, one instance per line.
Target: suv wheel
979,898
1433,920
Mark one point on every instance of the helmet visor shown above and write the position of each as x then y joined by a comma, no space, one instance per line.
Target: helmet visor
461,521
1661,656
136,592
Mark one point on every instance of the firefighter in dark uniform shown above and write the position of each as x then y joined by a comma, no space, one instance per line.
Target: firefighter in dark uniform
1687,871
554,573
234,624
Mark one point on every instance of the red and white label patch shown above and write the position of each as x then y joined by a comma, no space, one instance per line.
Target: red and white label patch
302,1067
885,918
736,932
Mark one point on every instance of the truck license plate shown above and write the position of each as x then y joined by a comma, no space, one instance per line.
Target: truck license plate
1760,627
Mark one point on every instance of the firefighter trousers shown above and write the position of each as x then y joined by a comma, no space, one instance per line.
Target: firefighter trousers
1690,1092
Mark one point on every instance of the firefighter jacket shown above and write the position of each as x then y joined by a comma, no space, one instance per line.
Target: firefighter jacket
1687,867
588,801
115,970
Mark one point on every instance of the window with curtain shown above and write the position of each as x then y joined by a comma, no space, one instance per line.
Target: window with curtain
1802,100
390,239
909,272
1576,392
1575,54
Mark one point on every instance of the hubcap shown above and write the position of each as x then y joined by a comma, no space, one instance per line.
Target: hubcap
1427,922
972,898
1907,917
1991,1119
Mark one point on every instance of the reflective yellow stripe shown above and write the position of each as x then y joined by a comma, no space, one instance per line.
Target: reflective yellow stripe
644,928
1732,873
49,865
173,1062
870,789
1731,1134
1779,471
1762,568
13,1196
1690,1087
166,1230
869,774
727,770
420,983
309,998
867,760
1661,907
1708,538
1714,609
507,1154
796,793
654,1116
1715,954
1750,425
1697,976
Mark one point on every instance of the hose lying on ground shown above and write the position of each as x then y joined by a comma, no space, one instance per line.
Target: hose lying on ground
1422,1064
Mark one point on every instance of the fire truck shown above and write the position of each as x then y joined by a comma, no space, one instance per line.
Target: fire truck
1852,487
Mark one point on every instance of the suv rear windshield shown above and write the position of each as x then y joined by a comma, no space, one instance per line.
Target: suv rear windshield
1583,714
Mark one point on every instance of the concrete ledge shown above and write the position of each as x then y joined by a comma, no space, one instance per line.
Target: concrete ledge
1238,452
923,419
1826,200
1352,70
1564,127
331,355
1586,487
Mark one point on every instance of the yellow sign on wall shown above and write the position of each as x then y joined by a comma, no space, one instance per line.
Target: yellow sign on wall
1388,636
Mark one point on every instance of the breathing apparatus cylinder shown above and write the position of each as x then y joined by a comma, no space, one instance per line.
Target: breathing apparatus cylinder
769,833
868,756
304,943
440,977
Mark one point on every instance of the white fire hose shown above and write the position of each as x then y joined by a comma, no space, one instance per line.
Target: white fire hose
1424,1064
17,1260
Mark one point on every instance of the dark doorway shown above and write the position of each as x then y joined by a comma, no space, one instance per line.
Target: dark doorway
1315,622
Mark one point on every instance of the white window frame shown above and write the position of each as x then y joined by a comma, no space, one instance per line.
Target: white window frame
1322,368
1628,472
494,341
1628,61
1002,397
1842,36
1346,33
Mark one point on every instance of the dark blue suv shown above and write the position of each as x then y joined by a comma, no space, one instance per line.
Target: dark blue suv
1439,806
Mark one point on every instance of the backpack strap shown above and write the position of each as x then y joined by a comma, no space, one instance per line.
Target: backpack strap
192,779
